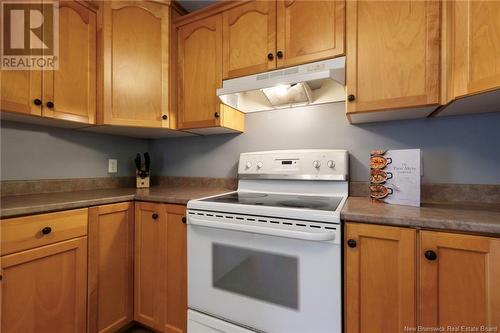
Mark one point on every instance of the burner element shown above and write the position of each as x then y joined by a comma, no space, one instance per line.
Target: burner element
302,204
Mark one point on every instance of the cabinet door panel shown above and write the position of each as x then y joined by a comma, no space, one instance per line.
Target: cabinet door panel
309,31
176,272
379,279
44,289
111,267
149,238
393,49
475,46
249,35
19,89
136,63
72,88
459,287
200,72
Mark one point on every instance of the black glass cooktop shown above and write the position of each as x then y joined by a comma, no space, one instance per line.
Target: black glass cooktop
279,200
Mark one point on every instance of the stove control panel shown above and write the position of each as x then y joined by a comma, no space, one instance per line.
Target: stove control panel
309,164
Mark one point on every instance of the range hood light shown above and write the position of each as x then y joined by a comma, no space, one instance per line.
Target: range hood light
281,89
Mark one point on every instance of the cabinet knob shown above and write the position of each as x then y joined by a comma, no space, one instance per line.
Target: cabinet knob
164,117
50,105
154,216
216,115
270,56
351,97
46,230
184,219
351,243
279,54
37,101
430,255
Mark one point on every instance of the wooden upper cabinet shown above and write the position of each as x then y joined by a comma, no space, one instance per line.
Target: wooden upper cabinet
474,46
249,43
309,31
200,72
72,88
69,93
393,55
135,66
459,280
111,267
380,278
19,89
44,289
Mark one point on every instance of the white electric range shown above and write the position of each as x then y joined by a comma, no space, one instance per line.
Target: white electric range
267,257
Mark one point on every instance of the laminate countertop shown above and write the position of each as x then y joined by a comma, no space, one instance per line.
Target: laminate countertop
483,219
18,205
462,217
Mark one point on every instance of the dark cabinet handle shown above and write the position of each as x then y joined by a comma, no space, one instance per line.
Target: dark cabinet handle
184,219
164,117
279,54
46,230
351,243
216,115
351,97
430,255
50,105
154,216
270,56
37,101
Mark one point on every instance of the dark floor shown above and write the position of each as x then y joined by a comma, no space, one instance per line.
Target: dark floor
137,329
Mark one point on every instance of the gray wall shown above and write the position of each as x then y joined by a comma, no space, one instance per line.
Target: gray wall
39,152
463,149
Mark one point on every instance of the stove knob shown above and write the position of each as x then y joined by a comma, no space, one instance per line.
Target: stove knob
249,165
316,164
330,164
260,165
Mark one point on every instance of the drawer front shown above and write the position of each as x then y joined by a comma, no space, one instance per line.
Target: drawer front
27,232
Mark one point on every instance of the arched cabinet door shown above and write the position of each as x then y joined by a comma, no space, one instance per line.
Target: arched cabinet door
69,93
135,46
309,31
200,72
249,38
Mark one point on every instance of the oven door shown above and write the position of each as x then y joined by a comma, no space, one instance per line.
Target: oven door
264,282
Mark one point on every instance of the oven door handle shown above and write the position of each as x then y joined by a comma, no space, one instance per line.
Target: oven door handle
311,236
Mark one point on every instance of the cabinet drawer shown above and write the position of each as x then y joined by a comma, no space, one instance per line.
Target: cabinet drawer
22,233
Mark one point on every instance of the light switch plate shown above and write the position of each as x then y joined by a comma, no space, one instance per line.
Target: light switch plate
112,165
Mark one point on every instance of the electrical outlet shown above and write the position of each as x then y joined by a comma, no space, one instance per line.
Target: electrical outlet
112,166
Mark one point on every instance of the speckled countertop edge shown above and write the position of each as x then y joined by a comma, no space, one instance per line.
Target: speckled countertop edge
12,206
459,217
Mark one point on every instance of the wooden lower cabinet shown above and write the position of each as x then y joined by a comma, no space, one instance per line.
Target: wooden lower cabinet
456,284
160,266
44,289
380,278
111,267
459,282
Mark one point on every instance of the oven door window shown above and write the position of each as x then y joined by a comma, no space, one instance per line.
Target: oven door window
265,276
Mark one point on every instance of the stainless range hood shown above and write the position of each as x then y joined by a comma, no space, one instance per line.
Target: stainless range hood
310,84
